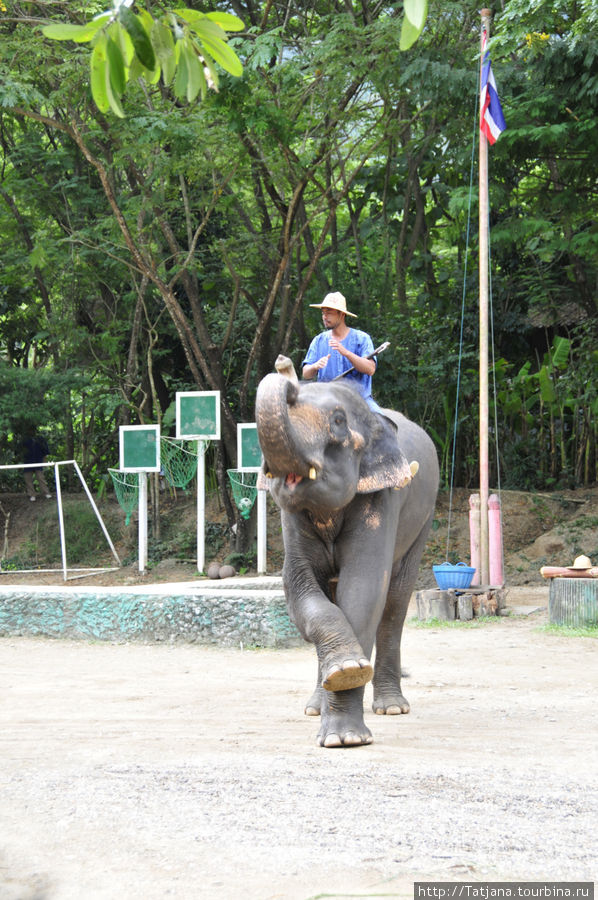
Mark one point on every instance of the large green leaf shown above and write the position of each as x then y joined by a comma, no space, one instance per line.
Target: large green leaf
413,22
139,36
121,37
182,73
98,76
560,352
196,81
163,44
416,11
116,67
224,55
79,33
102,89
198,20
226,20
547,391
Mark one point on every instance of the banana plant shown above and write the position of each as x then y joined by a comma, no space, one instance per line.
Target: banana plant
183,47
551,399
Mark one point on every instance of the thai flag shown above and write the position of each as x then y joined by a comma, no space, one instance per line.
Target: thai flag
492,121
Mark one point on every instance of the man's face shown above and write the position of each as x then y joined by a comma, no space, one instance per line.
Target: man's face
331,317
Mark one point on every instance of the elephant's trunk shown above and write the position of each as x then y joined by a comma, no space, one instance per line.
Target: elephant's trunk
286,428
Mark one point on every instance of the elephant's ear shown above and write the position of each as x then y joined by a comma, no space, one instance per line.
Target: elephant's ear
383,464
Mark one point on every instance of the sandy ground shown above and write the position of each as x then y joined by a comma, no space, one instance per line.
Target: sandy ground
179,771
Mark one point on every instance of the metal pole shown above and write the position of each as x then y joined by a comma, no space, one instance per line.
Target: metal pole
97,512
142,521
60,521
261,533
201,505
483,287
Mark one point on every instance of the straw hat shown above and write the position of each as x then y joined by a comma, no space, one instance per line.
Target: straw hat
334,301
582,562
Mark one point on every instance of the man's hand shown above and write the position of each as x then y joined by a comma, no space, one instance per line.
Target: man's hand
312,369
335,344
322,362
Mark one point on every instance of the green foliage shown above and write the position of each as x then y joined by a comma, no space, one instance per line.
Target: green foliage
180,246
176,46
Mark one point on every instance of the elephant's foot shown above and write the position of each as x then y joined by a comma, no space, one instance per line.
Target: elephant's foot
342,723
390,703
351,673
314,704
336,732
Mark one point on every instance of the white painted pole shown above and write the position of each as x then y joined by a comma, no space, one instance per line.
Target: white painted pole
97,512
142,521
60,521
262,542
201,505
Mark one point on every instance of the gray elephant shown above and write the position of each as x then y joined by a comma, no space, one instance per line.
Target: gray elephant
355,519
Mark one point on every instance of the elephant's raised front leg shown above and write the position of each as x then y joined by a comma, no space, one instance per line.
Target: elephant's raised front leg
351,675
342,723
342,662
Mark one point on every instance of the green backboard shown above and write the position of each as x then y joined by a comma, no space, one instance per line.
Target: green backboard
139,447
198,415
249,452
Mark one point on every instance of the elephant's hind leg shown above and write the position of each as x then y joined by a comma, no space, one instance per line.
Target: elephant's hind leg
314,704
388,696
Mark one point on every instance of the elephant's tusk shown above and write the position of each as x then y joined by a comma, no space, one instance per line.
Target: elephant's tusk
414,467
269,475
312,474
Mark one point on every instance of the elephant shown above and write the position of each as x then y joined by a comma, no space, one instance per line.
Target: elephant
355,518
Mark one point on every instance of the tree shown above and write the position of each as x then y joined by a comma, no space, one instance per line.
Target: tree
180,246
182,47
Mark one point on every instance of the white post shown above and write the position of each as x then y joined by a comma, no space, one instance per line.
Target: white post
201,505
60,520
142,521
96,511
262,542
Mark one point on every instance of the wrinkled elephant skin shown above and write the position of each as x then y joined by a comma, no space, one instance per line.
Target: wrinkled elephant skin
355,520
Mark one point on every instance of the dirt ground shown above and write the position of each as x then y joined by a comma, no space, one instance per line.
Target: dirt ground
153,771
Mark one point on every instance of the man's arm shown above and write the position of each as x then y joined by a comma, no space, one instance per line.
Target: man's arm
359,363
311,369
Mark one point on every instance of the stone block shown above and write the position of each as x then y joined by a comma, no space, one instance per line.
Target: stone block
435,604
464,607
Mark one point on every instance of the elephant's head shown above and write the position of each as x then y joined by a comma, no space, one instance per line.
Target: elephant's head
322,444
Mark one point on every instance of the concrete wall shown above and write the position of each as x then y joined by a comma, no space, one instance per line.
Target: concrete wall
228,614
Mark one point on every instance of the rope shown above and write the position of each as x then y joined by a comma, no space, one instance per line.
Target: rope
456,417
495,395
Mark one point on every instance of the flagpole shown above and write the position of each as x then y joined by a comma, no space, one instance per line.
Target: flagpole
483,350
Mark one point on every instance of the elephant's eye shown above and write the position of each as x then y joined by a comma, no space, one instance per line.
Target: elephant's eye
338,422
